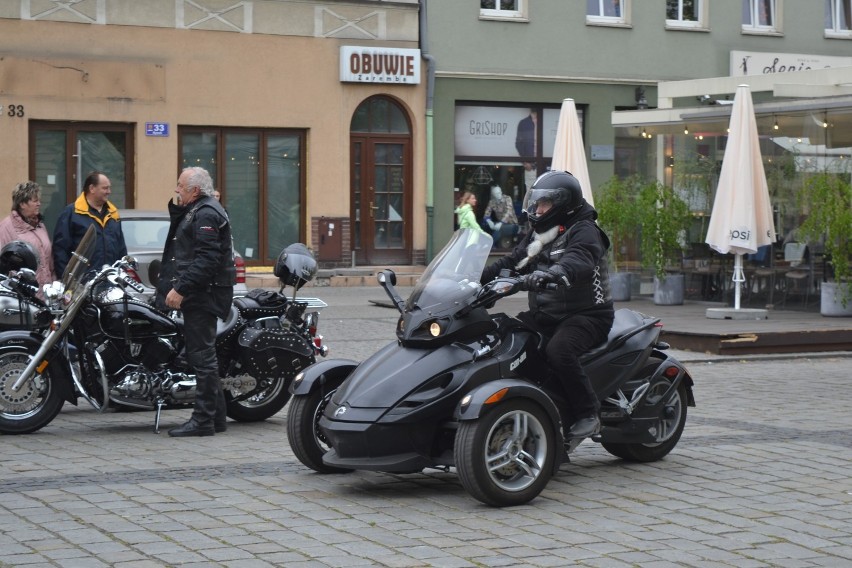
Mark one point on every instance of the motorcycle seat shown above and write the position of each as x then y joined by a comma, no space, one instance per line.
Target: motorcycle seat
226,326
259,303
625,322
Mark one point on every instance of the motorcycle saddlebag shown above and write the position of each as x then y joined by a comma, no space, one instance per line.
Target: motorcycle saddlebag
260,303
273,352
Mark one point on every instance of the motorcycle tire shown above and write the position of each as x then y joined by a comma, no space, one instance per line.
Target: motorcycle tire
32,407
506,457
306,440
265,404
669,429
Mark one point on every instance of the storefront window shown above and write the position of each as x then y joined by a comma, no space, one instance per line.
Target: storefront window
259,174
500,151
794,147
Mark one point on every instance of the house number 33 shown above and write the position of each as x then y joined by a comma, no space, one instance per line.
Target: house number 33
15,111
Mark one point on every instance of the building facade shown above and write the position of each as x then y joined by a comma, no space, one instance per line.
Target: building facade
308,114
499,62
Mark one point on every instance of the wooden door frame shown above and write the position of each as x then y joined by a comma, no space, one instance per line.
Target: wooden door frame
71,128
366,254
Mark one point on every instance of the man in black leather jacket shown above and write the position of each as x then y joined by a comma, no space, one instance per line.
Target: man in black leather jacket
564,257
198,278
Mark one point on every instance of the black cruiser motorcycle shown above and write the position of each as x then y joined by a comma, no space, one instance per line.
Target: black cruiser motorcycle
114,349
468,389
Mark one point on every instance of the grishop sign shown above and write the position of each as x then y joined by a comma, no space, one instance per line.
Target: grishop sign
379,65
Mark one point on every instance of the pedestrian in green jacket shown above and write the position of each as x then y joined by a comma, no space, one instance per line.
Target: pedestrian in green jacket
464,212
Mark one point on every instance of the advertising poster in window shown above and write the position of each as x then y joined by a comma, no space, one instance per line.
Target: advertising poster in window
504,132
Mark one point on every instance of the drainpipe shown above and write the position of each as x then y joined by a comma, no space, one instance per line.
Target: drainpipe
430,91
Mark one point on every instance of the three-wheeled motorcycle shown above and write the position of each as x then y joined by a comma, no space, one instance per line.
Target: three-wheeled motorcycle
464,388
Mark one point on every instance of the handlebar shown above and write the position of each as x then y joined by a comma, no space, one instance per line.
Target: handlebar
15,281
121,279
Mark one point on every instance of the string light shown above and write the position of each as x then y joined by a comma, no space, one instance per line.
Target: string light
775,126
686,129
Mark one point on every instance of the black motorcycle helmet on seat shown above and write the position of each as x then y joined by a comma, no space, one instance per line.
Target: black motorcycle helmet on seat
296,266
16,255
562,190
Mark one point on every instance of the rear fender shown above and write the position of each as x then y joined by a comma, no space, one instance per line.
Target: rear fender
683,376
318,374
57,363
476,404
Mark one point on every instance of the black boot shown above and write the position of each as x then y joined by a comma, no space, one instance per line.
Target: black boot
191,428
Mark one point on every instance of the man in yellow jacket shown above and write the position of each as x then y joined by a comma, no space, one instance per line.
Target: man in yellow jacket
92,207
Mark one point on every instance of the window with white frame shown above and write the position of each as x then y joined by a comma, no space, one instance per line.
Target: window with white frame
689,14
503,9
761,16
608,12
838,18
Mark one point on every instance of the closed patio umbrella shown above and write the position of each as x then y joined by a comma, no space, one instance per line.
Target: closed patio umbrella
741,220
569,154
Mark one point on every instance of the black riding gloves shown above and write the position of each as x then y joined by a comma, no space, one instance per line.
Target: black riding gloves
543,278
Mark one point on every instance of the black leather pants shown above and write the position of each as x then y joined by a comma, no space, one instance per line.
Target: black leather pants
200,336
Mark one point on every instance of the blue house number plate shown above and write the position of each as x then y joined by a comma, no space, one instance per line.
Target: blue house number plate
156,129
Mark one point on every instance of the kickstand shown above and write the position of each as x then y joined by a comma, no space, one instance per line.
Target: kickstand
160,403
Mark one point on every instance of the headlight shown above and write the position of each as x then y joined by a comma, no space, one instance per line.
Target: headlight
53,290
435,329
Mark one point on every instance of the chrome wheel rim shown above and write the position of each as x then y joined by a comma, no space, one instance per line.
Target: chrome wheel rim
516,451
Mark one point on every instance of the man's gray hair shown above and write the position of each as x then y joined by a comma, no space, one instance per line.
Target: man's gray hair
199,177
24,192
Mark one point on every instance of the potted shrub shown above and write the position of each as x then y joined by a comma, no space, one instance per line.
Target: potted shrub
826,198
665,218
615,202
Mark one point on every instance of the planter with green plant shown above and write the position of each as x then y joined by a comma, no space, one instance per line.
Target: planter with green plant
826,199
615,202
665,218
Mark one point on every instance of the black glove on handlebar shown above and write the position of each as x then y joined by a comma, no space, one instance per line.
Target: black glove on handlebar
545,279
539,279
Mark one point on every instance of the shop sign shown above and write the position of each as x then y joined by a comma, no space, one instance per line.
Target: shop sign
361,64
768,62
498,132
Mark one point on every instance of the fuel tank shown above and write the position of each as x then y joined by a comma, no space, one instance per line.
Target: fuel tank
143,320
16,313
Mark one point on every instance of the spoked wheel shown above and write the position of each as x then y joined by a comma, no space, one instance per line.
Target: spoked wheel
308,443
34,405
506,457
667,429
262,405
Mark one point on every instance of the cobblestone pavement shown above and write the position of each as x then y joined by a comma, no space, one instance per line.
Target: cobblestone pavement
761,477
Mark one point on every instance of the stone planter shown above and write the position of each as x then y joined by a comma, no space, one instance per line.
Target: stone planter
831,303
620,284
670,290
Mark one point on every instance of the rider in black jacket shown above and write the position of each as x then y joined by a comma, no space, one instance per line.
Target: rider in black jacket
568,249
198,277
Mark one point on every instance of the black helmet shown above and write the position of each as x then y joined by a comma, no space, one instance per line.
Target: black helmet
17,255
562,190
296,266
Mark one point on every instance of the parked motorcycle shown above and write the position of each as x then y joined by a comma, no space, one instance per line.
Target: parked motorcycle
19,301
114,349
468,389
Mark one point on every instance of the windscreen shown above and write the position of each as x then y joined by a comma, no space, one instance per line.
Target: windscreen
455,272
80,260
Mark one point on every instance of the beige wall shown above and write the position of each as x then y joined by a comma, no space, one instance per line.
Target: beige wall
71,71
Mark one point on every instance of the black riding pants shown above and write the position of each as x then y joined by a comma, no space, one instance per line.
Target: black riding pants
199,329
567,340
